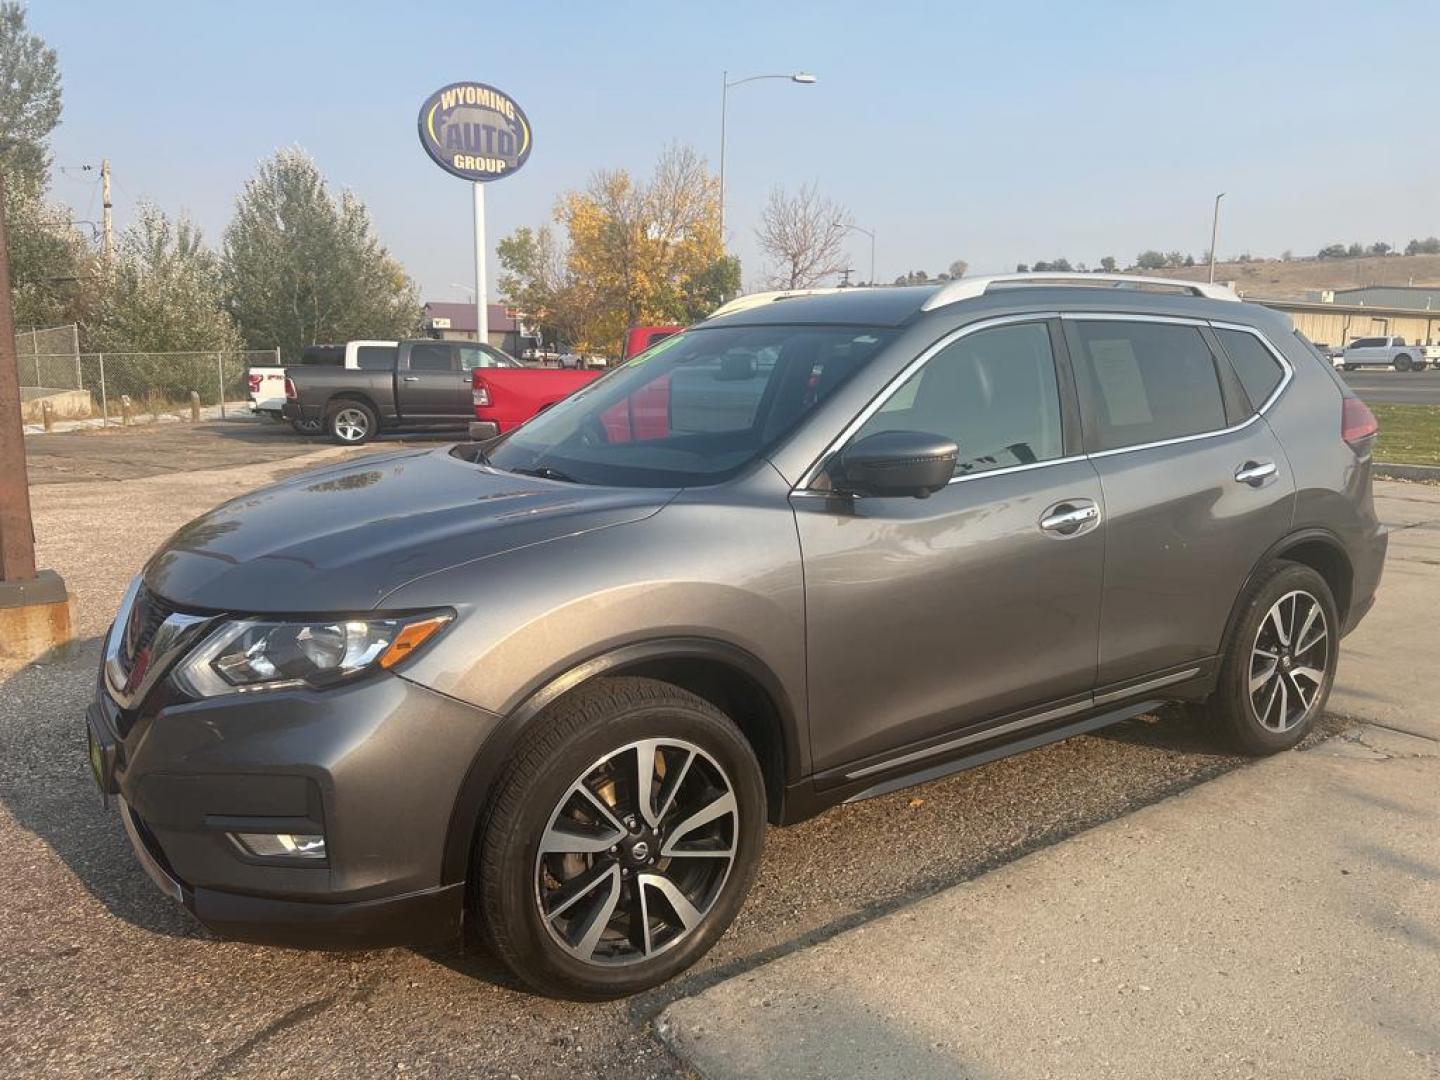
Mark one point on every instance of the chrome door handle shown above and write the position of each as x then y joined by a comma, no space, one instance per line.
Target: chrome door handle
410,378
1068,518
1255,473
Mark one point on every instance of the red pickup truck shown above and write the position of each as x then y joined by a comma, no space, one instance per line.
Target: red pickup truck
505,398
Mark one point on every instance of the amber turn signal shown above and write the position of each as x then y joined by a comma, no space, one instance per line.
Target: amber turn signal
411,638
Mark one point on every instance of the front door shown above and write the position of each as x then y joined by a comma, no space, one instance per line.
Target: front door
1196,485
927,616
431,385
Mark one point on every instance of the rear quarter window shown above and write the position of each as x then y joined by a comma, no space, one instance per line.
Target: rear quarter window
1259,371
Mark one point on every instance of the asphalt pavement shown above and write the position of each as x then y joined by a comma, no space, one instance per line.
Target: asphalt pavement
1378,386
100,975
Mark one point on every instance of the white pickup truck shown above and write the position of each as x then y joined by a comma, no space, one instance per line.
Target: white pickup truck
267,381
1387,352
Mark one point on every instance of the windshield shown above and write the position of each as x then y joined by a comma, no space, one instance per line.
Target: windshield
694,409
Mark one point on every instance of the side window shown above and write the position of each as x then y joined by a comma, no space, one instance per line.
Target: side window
1260,373
375,357
1142,382
431,356
993,392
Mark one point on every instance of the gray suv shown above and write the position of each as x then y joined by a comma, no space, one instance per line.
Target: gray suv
810,551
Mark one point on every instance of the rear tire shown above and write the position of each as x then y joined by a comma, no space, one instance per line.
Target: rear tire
554,860
1276,674
1403,363
307,427
1349,367
351,423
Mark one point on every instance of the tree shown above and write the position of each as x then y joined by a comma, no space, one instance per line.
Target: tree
1108,264
1054,266
1380,247
161,291
1022,268
52,267
29,104
958,269
1189,260
1429,246
302,267
804,233
1331,251
1150,260
1354,250
644,251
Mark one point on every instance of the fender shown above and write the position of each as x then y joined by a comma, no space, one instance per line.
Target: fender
474,793
1274,551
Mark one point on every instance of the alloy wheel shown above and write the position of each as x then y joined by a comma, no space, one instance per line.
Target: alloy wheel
352,425
637,852
1289,661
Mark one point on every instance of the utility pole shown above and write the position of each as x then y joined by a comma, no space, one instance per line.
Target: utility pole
107,224
35,614
17,537
1214,231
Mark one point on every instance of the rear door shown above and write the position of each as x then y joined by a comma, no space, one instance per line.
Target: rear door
1196,487
430,384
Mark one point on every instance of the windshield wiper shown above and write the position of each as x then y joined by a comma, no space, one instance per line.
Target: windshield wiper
545,472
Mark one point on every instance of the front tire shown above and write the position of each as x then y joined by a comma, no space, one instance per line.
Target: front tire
1279,666
621,842
1403,363
351,423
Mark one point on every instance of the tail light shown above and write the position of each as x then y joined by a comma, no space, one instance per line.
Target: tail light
291,394
255,381
1358,425
481,394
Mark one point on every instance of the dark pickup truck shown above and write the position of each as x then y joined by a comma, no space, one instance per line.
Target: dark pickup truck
412,385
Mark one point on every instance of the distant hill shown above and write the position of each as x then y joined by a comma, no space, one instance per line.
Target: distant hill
1292,280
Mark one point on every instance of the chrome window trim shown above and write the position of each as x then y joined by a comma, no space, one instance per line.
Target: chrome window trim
804,487
892,387
1180,320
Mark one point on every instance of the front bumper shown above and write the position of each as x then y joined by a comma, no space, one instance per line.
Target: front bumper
375,767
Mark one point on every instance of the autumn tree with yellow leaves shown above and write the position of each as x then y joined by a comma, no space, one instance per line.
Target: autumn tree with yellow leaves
635,252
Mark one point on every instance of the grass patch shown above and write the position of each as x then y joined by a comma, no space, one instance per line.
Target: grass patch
1409,434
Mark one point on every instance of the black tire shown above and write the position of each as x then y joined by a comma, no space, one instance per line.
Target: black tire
350,423
1403,363
1232,708
587,730
1349,367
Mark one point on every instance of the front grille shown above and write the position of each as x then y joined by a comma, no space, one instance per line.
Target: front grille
146,615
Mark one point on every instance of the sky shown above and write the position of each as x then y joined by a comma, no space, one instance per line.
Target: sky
996,133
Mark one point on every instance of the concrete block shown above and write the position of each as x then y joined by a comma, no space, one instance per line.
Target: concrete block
36,617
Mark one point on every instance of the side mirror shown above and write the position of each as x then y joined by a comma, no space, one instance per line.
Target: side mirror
896,463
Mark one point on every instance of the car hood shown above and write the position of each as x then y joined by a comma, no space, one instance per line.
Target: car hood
340,539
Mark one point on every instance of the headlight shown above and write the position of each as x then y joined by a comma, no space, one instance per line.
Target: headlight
244,655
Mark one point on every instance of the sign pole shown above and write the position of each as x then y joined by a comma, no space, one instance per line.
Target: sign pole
17,537
482,309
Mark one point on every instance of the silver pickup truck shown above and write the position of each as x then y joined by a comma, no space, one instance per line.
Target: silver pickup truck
1387,352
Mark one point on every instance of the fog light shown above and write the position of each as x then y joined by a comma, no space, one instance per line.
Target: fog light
282,845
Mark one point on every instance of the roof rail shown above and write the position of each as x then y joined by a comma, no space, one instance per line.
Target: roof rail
969,288
752,300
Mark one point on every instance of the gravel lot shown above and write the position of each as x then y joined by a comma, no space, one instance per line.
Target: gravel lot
102,976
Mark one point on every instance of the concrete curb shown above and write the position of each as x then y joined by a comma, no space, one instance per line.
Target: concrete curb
1408,472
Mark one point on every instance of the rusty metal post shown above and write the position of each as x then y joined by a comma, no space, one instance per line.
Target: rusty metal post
194,406
17,532
47,415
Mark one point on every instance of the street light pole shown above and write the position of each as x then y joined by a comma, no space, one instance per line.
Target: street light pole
1214,232
871,235
802,77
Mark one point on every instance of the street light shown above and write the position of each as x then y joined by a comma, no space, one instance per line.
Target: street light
871,235
1214,230
802,77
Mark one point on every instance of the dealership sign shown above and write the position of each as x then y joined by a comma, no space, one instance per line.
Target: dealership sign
474,131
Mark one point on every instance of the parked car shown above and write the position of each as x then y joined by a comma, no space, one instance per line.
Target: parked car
640,338
504,398
401,386
267,381
1383,352
807,553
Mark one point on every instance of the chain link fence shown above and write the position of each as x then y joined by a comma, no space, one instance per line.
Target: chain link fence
155,383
